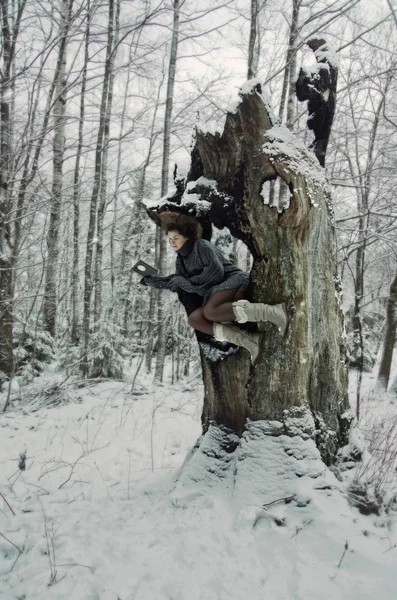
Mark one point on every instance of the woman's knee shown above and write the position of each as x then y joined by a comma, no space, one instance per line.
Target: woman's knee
195,318
210,312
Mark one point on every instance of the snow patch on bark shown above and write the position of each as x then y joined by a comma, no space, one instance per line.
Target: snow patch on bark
203,182
282,144
214,354
195,204
298,420
252,87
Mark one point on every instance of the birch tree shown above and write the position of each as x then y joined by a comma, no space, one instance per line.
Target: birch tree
91,235
50,292
76,185
161,241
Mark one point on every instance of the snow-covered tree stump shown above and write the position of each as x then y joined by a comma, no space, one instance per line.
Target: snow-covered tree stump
301,379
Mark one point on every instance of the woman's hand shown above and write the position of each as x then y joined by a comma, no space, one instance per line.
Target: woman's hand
163,282
175,283
144,280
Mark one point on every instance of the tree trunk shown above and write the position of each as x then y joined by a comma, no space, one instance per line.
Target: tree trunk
76,187
363,193
161,345
9,34
390,337
50,292
252,44
291,59
303,376
91,241
113,270
288,92
104,182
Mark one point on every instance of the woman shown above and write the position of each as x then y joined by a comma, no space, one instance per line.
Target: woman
207,285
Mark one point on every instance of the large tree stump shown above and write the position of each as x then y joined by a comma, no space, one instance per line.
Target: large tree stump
303,376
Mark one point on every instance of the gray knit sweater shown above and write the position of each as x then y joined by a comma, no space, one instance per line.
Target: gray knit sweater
201,269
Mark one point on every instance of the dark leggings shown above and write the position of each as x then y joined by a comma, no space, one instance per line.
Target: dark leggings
218,308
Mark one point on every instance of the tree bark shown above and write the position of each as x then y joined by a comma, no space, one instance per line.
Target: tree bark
76,187
363,193
50,291
104,167
390,337
252,63
303,376
161,344
9,35
91,241
291,61
113,270
288,91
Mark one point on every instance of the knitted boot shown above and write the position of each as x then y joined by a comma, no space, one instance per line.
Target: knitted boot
239,337
257,312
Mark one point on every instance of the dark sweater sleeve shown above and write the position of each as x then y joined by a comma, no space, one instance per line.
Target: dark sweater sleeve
212,273
161,282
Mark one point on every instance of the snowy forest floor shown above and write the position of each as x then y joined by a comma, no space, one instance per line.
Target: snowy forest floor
97,515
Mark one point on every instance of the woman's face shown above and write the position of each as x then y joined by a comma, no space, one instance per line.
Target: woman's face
176,239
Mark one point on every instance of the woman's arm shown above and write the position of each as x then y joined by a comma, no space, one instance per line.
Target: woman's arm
161,282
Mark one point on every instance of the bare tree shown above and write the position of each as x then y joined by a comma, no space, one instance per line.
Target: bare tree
76,184
253,44
104,187
390,337
9,37
161,242
50,292
91,239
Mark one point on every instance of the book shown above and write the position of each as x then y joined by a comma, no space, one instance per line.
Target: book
143,268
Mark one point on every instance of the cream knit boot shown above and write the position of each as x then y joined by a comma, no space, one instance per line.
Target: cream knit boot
239,337
256,312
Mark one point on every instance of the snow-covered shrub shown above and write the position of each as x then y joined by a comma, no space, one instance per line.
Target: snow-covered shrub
68,358
46,394
375,476
34,349
372,324
107,351
3,379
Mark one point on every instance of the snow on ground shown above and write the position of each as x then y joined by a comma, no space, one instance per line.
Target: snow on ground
103,511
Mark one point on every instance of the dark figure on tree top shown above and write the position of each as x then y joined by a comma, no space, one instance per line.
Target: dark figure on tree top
319,88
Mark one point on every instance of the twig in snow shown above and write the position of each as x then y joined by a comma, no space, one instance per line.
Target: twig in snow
37,486
16,478
286,500
15,562
72,465
100,475
299,529
77,565
344,552
49,536
7,504
15,546
129,471
391,547
77,497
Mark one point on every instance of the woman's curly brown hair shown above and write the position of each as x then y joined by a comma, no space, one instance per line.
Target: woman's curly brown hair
187,226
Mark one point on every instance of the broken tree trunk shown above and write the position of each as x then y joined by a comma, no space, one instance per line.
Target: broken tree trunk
302,378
